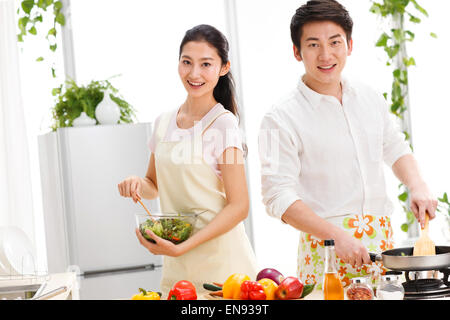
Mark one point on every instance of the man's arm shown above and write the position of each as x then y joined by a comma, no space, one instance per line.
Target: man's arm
349,249
407,171
280,170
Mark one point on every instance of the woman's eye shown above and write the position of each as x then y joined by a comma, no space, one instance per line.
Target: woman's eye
186,62
206,64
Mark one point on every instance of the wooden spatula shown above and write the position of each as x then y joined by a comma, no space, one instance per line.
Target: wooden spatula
424,246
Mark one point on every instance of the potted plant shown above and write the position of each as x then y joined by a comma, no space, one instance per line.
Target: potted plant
73,100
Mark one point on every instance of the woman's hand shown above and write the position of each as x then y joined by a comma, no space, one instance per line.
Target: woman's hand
131,187
351,250
422,201
161,247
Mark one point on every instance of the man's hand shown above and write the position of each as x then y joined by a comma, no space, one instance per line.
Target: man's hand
422,201
351,250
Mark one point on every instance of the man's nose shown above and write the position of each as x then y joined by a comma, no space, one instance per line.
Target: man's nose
325,53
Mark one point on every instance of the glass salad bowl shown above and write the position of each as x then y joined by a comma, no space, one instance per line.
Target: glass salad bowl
175,227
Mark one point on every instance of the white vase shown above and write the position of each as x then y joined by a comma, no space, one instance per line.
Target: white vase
83,120
107,111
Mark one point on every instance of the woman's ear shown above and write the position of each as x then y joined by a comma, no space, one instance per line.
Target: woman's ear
225,69
297,53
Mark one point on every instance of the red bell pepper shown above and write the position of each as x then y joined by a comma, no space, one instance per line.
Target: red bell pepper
182,290
252,290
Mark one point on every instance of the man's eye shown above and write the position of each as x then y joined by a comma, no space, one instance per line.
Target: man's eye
335,43
314,45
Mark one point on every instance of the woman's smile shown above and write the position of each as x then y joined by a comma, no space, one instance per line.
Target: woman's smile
194,84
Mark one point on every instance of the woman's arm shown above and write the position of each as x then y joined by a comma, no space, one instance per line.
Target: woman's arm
236,209
136,187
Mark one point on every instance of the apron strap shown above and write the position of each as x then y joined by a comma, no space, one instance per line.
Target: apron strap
212,121
163,126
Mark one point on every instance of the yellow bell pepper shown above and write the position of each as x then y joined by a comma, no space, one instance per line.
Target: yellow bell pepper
232,287
269,287
146,295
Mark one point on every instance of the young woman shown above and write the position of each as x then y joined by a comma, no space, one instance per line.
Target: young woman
197,165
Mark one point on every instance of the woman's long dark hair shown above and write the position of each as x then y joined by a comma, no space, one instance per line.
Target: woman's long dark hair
224,92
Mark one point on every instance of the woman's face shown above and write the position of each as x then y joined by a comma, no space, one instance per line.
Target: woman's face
200,68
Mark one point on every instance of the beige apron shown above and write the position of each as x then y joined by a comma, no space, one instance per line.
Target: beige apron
186,183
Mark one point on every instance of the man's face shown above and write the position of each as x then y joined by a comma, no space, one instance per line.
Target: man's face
323,50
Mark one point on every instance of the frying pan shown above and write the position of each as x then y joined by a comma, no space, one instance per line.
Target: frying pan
402,259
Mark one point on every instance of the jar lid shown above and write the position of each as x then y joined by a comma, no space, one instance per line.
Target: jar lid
389,277
359,280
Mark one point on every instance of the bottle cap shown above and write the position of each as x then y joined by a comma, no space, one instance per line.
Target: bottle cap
329,243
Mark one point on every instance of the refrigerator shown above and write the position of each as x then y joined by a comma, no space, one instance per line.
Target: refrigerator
89,226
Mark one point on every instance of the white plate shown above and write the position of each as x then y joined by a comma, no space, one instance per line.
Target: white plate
17,254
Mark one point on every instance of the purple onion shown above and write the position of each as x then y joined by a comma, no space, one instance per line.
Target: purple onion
270,273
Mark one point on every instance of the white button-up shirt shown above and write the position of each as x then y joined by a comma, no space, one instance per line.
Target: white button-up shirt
329,155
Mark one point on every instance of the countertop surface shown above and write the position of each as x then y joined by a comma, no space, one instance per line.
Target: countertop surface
51,282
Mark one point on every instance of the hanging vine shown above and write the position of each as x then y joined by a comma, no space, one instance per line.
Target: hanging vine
31,13
394,42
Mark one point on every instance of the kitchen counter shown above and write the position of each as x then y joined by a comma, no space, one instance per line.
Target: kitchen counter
52,282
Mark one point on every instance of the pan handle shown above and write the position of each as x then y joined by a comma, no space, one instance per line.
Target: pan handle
375,257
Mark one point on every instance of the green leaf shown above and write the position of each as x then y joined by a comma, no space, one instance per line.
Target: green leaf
419,8
404,227
27,6
23,23
32,30
414,19
40,59
411,35
58,5
38,18
60,18
53,47
382,41
52,32
434,35
403,197
409,62
56,91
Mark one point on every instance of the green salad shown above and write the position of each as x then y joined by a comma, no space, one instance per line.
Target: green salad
173,229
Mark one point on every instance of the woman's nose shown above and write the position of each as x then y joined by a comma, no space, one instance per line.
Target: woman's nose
195,71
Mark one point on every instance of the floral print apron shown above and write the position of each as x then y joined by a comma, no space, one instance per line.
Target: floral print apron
374,231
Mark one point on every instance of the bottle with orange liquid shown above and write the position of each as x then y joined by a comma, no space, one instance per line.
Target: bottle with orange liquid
332,286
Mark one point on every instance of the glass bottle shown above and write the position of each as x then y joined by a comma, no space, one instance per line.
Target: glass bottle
390,288
332,286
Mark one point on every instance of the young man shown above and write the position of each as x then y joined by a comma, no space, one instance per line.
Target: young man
322,151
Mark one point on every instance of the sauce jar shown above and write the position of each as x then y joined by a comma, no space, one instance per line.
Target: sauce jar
390,288
359,290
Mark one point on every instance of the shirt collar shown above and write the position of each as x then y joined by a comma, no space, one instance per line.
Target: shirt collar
315,98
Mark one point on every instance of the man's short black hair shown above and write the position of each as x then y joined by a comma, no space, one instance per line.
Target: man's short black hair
320,10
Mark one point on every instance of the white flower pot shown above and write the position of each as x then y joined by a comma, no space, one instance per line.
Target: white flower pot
107,111
83,120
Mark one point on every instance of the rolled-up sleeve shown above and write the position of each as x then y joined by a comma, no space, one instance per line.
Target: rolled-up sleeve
280,165
394,144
